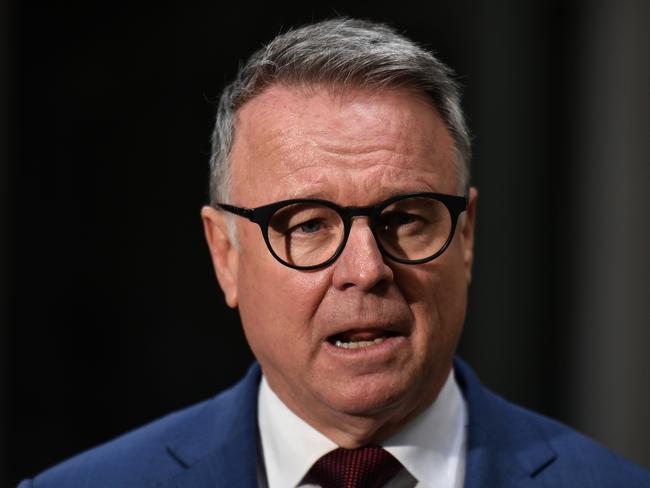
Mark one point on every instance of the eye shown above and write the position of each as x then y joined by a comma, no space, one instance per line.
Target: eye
304,221
308,227
396,219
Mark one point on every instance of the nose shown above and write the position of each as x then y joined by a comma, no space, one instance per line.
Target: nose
361,264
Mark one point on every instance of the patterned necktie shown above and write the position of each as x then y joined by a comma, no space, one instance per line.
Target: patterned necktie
366,467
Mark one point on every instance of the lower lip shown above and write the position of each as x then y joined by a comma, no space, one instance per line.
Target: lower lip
387,347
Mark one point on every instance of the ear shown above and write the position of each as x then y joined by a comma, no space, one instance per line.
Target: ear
467,232
225,256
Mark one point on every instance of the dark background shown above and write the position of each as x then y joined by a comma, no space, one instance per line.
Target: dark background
110,315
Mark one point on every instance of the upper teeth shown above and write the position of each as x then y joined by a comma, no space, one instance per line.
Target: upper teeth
357,344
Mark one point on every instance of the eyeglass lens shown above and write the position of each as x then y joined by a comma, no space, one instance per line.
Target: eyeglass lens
309,234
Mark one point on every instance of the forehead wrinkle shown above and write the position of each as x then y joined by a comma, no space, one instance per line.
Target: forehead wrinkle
305,167
371,134
399,150
379,180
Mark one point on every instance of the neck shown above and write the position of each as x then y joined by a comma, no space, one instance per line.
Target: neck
351,430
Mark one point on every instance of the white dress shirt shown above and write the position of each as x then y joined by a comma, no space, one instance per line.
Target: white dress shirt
432,447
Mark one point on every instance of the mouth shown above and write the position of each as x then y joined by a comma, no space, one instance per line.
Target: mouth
361,339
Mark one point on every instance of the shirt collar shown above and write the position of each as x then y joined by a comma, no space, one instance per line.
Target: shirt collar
431,447
290,445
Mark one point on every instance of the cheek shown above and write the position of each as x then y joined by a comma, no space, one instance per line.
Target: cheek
276,306
451,294
437,294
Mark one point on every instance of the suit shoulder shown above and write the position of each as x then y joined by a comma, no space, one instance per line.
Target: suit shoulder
507,440
579,460
124,461
146,456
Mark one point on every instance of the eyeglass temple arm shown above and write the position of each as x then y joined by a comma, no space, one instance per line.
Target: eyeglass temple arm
243,212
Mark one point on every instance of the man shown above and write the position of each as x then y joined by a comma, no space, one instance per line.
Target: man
341,226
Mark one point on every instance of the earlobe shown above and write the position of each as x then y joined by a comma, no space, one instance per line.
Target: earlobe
467,232
225,257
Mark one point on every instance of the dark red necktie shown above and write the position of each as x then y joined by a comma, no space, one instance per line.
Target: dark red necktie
366,467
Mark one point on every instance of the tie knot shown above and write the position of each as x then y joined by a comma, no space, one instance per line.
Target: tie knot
365,467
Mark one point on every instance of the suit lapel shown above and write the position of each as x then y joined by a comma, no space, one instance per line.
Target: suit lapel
504,448
219,447
222,468
489,467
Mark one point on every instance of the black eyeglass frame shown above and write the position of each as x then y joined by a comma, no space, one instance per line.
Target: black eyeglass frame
262,216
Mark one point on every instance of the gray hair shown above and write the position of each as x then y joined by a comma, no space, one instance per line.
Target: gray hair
339,52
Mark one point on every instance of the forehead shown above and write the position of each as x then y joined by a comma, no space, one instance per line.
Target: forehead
350,146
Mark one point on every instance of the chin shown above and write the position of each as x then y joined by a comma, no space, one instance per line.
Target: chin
370,397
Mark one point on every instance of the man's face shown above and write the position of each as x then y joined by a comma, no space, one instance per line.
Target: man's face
355,149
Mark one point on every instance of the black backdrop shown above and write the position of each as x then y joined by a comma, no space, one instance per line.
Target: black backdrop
112,316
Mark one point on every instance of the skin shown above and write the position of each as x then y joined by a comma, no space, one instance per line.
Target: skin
356,147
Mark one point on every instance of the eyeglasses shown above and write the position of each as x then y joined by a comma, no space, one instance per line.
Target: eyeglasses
310,233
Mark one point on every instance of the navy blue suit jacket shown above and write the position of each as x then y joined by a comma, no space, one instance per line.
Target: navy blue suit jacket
214,444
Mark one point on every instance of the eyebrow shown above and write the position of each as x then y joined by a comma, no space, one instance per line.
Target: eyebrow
309,194
380,196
